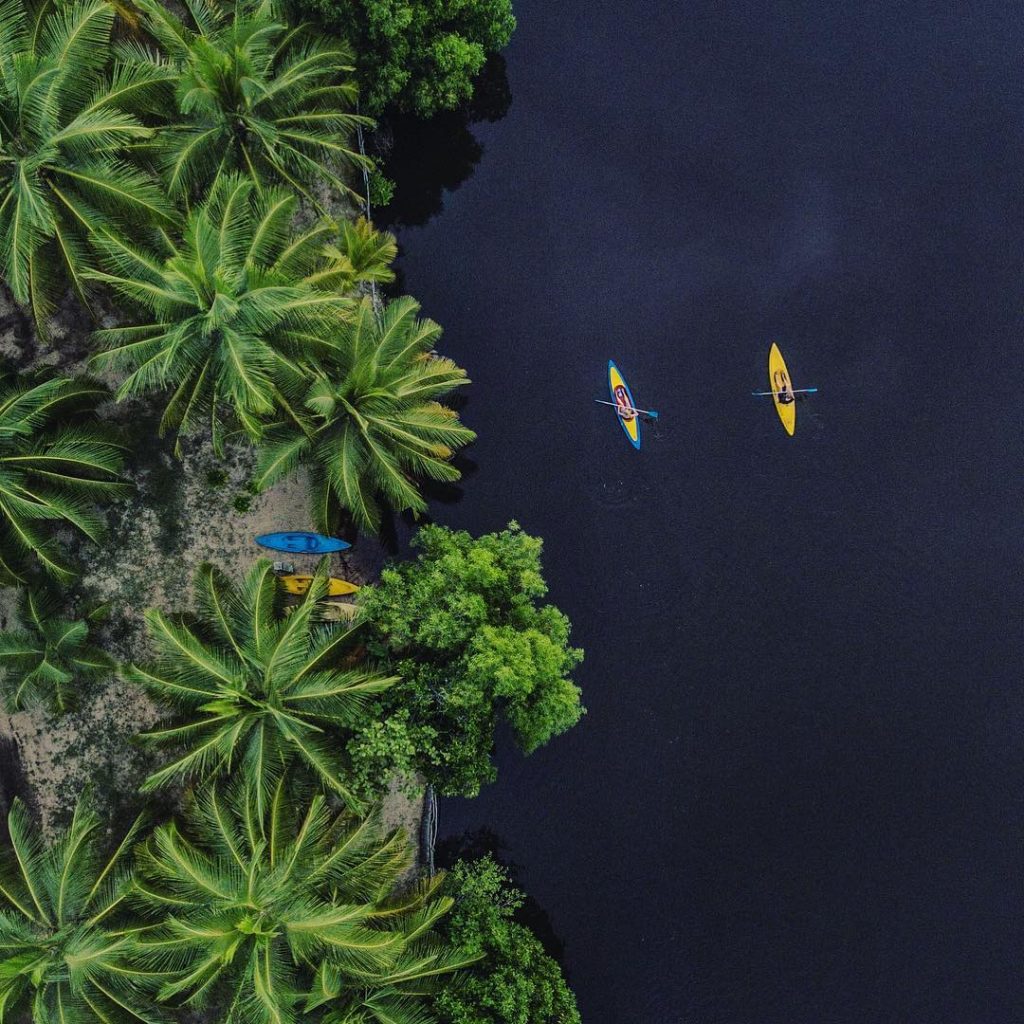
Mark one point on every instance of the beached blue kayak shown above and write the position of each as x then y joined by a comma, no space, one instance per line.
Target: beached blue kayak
302,543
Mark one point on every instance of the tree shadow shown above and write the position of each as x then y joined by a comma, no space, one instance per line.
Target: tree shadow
427,158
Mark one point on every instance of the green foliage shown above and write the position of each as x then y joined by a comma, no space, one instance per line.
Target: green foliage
382,189
516,982
421,55
66,953
253,95
51,474
65,127
363,254
231,312
267,913
46,662
382,749
372,423
463,627
259,691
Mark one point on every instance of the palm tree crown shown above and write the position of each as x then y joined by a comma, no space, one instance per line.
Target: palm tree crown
232,311
266,914
63,954
256,96
64,129
259,690
51,475
45,662
373,422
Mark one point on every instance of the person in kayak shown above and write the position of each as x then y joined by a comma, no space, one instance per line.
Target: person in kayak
622,405
785,391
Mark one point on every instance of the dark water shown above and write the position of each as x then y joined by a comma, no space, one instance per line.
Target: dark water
797,796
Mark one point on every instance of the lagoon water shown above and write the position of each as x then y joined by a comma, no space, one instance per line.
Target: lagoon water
798,796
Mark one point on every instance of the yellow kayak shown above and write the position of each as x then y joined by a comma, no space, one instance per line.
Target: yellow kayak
623,399
335,586
778,379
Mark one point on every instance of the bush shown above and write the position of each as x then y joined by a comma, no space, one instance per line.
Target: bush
382,189
516,982
419,55
463,627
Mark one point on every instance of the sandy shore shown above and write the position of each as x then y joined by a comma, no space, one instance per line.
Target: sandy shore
183,513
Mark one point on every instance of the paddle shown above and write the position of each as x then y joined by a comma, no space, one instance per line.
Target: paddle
615,405
794,391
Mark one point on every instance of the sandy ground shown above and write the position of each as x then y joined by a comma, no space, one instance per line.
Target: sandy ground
182,513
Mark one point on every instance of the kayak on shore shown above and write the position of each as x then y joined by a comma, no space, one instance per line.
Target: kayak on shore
299,584
302,543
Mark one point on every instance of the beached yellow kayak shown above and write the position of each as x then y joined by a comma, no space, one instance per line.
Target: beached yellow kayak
778,377
335,586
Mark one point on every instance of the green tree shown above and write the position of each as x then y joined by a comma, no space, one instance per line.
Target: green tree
516,981
265,915
46,662
55,463
254,95
68,952
463,626
372,423
231,312
65,128
421,55
259,691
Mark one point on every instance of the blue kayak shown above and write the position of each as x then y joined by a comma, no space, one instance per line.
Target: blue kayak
302,543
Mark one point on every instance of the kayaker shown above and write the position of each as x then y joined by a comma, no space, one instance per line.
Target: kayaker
622,406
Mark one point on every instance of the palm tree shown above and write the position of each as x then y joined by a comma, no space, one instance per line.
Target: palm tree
230,313
55,462
67,948
64,131
373,422
363,254
259,690
262,915
47,660
255,96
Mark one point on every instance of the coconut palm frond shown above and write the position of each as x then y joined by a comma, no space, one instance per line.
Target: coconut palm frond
68,126
254,95
51,476
46,662
68,951
280,910
221,327
257,691
374,424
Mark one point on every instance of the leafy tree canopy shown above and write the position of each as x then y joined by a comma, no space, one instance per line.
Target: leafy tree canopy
259,690
421,55
47,660
516,982
463,626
